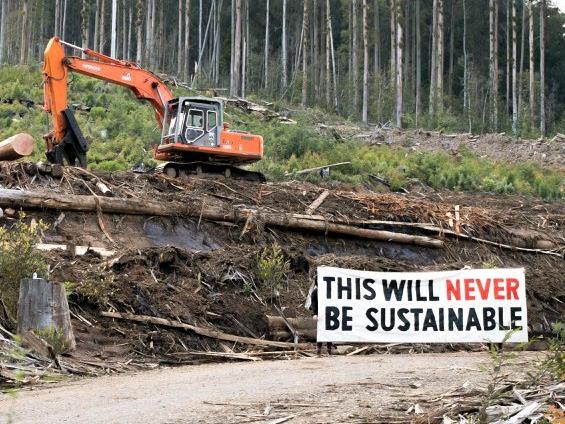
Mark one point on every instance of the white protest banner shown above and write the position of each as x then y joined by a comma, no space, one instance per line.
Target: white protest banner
480,305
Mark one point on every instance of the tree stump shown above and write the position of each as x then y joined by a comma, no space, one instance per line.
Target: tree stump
43,306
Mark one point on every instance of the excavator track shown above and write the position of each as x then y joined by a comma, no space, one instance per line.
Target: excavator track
185,169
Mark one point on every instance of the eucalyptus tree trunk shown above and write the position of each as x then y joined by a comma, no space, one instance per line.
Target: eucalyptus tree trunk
315,51
64,21
451,47
284,47
377,28
393,43
328,57
96,44
305,30
84,12
522,43
124,30
542,67
466,98
153,44
514,76
102,25
236,64
493,21
24,32
3,29
138,23
57,17
199,29
114,33
130,25
418,62
399,64
365,62
245,58
355,62
266,60
179,40
332,51
440,53
532,68
187,40
434,60
508,56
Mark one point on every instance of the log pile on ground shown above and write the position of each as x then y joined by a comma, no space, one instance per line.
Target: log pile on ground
167,271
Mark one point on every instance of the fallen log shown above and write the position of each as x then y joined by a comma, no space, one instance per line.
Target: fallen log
240,356
317,203
207,332
31,199
310,335
16,147
277,323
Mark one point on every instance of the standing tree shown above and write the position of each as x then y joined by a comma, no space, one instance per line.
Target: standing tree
542,67
399,63
434,60
532,69
355,63
365,62
4,5
179,40
284,46
84,12
377,29
514,76
113,40
493,37
138,23
440,53
305,30
418,62
393,41
236,64
522,42
266,60
24,33
102,26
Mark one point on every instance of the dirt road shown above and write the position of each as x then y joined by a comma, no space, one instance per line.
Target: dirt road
337,389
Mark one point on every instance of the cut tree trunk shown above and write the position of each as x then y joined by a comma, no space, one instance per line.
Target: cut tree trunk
16,147
28,199
43,305
278,328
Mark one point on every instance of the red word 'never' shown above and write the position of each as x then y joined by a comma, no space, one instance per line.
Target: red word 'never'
475,289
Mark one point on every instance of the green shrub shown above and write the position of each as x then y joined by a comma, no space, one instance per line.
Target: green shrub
273,268
55,338
556,358
19,259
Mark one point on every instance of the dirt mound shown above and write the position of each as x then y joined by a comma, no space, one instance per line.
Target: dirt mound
205,272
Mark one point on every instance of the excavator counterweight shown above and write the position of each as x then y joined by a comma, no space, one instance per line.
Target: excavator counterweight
194,136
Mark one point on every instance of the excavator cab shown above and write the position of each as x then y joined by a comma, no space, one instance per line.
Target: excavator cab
192,121
195,139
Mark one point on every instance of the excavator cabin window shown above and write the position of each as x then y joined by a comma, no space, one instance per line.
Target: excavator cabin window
212,122
195,118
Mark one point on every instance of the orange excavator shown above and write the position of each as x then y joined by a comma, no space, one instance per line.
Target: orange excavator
194,137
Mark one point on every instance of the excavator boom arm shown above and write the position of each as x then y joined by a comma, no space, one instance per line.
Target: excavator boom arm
144,84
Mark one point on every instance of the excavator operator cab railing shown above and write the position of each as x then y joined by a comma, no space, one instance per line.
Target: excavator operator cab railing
194,121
